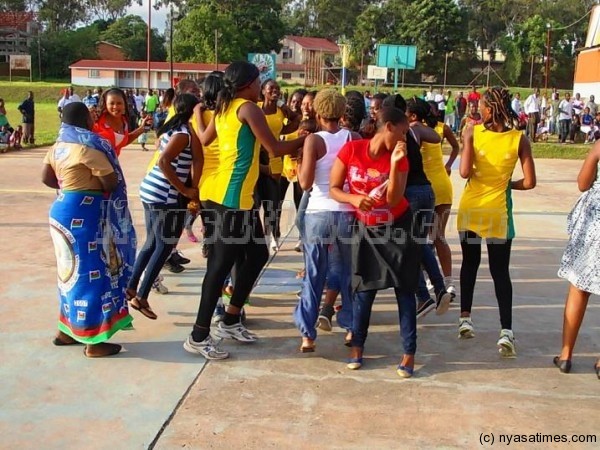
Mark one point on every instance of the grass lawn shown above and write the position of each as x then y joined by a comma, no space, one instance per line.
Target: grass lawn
46,121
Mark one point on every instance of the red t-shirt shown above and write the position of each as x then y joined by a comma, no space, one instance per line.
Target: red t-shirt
365,174
474,97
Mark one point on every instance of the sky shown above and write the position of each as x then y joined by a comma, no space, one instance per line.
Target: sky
159,18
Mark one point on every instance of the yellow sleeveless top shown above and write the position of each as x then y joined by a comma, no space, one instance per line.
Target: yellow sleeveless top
434,168
290,165
232,184
275,123
211,157
486,204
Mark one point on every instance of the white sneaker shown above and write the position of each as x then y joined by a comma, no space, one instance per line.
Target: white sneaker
236,331
506,344
274,245
450,287
465,328
159,287
298,247
207,348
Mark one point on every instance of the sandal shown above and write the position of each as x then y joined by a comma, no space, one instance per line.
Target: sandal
107,349
564,365
308,347
63,339
142,306
130,294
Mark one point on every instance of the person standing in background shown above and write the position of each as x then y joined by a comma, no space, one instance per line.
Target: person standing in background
532,108
577,104
565,111
89,100
27,110
461,110
139,100
474,97
592,105
441,104
450,119
515,104
553,122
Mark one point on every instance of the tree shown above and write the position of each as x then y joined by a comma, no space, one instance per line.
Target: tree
130,32
13,5
242,26
108,9
61,14
60,49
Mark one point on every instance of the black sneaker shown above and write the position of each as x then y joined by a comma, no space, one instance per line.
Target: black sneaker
172,267
325,317
425,308
178,258
443,302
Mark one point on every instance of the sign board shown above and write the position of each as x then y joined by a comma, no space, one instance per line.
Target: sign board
394,56
377,73
20,62
266,65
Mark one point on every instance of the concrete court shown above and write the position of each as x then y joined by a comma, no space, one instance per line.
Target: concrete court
268,395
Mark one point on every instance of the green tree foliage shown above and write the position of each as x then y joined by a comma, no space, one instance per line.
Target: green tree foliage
13,5
242,26
61,14
130,32
61,49
108,9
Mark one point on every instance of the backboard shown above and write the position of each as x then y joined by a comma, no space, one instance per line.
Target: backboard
397,56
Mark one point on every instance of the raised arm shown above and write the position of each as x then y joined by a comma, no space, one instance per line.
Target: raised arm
424,133
251,114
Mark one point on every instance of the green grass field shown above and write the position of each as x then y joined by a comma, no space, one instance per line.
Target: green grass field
47,121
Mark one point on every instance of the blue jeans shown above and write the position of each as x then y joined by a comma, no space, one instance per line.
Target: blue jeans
164,224
407,312
302,212
321,230
422,201
335,274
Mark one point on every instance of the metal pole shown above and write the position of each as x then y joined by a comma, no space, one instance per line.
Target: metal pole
216,50
403,78
489,69
171,46
531,73
547,58
149,39
445,71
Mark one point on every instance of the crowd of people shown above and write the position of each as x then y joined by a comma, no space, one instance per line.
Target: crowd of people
372,194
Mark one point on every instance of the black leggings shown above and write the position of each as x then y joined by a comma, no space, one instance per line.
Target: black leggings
232,235
267,192
499,260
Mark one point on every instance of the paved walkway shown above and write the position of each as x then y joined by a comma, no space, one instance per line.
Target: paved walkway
268,395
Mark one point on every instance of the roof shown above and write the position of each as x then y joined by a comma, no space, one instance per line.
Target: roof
155,66
313,43
161,66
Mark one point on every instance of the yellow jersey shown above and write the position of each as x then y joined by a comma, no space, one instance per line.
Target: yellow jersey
434,168
233,182
290,165
275,123
211,158
486,204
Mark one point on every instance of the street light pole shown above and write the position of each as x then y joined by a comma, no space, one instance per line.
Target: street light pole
171,45
549,28
216,49
148,39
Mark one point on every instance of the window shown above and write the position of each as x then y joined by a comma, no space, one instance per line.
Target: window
286,76
286,53
301,75
93,73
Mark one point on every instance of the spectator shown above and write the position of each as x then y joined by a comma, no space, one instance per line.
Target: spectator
64,101
430,94
450,119
16,137
591,104
139,100
565,111
577,105
72,95
367,97
98,94
89,99
554,112
3,118
441,104
474,97
532,108
575,127
587,122
4,138
461,108
151,103
27,110
516,103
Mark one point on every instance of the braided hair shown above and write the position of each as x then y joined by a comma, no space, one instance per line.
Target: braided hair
422,110
184,108
501,112
355,110
238,75
213,83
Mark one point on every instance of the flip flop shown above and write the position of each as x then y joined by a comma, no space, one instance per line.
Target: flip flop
145,310
113,349
308,348
56,341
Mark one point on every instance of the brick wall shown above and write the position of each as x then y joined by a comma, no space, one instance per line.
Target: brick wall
110,52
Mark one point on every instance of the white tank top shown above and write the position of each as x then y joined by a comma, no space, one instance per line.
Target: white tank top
319,196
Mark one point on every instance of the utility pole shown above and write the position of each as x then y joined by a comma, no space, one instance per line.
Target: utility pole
149,40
